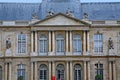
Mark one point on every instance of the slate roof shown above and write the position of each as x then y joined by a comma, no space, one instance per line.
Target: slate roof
95,11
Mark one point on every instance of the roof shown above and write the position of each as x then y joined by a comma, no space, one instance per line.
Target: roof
95,11
102,11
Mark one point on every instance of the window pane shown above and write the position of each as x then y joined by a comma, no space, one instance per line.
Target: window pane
43,44
98,43
77,72
21,72
119,41
99,71
59,43
0,73
77,46
60,72
21,43
43,72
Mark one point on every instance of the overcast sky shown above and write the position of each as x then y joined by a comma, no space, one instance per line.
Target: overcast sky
37,1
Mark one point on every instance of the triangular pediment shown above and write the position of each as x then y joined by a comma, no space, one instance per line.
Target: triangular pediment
60,19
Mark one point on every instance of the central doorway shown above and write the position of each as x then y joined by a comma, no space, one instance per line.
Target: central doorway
60,72
77,72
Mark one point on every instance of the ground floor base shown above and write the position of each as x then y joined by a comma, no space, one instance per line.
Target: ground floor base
60,68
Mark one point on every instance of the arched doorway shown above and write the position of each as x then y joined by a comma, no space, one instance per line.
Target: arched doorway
77,72
0,72
60,72
43,72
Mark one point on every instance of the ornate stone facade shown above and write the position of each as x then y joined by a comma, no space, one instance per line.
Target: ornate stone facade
52,56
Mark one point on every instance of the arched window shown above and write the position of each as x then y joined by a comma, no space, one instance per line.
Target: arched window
60,72
77,72
60,44
43,45
43,72
0,73
99,71
77,44
21,72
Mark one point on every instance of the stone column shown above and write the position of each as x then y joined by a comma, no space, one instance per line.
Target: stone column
88,41
36,42
88,70
31,41
66,42
85,77
110,71
6,70
53,68
114,71
71,71
31,70
53,42
71,47
49,41
67,70
10,69
49,70
84,42
36,71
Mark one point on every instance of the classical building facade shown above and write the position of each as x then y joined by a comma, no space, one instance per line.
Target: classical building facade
46,42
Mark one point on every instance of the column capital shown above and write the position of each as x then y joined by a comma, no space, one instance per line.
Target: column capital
68,60
52,30
49,61
111,61
31,61
36,61
88,61
88,30
33,30
53,61
67,30
5,62
8,62
85,30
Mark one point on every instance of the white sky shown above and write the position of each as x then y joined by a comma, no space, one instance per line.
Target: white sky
38,1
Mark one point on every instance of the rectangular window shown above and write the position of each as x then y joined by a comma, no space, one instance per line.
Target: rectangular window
43,45
77,44
21,43
98,43
119,41
60,44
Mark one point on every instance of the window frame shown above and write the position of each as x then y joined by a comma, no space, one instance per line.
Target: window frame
60,72
98,70
22,70
78,69
43,68
21,53
1,73
98,43
60,44
45,48
118,45
79,40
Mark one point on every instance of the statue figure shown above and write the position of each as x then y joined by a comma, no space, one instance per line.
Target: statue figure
110,44
34,16
50,13
85,16
8,43
69,13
